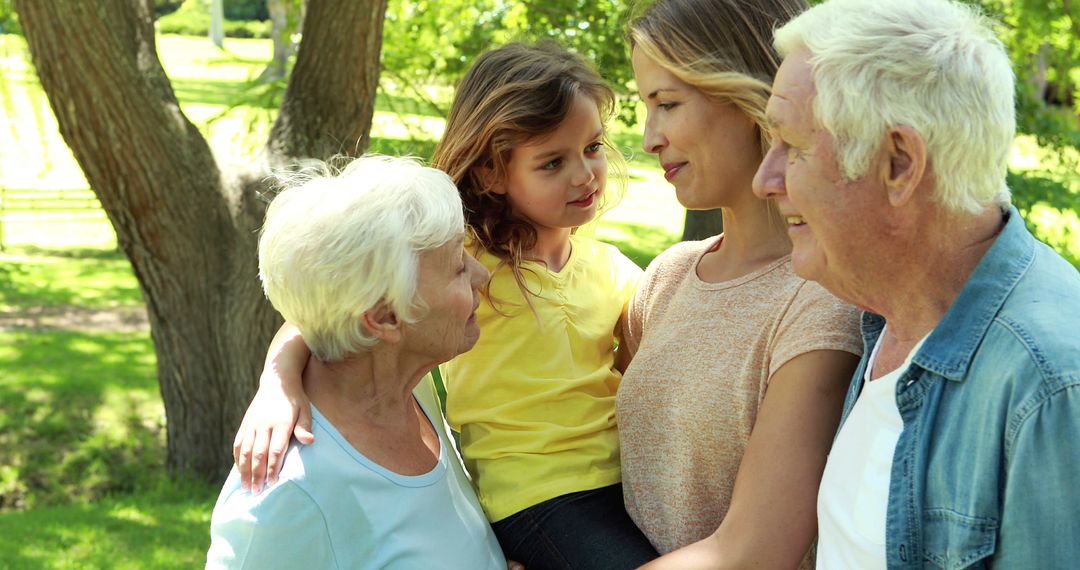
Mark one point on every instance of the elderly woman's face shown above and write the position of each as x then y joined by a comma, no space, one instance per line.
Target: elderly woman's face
448,284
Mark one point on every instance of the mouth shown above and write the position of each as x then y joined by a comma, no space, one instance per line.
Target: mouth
585,201
794,221
472,315
672,169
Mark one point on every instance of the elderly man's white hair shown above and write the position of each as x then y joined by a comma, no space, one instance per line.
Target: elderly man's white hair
934,65
337,241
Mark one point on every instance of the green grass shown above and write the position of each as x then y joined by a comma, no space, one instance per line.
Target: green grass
165,527
32,276
81,417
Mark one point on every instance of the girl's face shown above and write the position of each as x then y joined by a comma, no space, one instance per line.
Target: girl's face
709,150
556,182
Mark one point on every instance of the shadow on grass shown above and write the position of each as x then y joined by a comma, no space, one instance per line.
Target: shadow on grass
80,417
640,242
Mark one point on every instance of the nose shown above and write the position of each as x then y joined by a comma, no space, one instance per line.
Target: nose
653,141
586,171
770,178
478,274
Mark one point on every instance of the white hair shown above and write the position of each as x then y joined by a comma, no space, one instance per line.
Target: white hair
933,65
341,238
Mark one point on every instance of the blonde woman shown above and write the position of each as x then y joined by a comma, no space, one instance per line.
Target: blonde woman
728,407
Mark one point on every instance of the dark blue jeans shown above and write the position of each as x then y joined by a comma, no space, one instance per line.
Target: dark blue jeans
588,530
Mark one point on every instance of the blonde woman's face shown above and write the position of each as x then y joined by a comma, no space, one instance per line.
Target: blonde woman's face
709,150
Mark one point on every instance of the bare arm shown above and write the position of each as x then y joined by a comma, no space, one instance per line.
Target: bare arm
278,411
772,519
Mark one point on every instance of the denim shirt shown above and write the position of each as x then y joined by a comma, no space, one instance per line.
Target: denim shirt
984,472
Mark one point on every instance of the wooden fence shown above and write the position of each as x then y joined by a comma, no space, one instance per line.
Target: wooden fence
46,206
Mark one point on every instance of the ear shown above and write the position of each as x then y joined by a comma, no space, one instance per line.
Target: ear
489,179
382,323
905,156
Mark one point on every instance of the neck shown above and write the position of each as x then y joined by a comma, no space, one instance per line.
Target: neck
921,279
753,238
552,247
375,385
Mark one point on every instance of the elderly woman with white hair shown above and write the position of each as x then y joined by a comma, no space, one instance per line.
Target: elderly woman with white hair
368,263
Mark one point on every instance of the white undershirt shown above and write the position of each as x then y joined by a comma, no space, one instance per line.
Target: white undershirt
854,490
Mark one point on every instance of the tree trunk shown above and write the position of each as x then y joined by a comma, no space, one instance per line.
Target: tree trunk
281,35
701,224
189,231
217,23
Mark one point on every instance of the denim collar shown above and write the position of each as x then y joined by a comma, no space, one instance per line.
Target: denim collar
952,344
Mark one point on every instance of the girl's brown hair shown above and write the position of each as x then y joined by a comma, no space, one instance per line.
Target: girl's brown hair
512,95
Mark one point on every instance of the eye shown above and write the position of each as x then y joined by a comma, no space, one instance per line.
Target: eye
551,164
594,147
667,106
793,153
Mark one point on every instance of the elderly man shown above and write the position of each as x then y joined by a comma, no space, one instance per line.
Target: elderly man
892,123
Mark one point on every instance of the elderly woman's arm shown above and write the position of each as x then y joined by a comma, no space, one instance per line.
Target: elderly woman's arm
772,519
278,411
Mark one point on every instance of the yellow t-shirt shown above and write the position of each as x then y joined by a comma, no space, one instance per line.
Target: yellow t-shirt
534,400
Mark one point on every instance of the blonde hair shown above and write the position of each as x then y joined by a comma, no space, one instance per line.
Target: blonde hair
933,65
345,235
510,96
722,48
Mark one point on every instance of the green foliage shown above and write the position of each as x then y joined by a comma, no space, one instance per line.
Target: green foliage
9,20
164,7
193,19
1043,41
245,10
421,50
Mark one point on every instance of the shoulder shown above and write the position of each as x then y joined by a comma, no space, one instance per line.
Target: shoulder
604,262
273,525
675,262
589,248
1039,316
682,254
811,318
812,299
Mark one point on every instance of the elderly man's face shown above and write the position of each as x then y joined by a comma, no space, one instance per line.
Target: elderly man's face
830,221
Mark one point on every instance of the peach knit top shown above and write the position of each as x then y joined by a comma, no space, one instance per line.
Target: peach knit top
703,356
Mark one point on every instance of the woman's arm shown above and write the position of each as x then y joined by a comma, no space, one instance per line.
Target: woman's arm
278,411
772,519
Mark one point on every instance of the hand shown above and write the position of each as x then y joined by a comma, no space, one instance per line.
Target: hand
514,565
274,416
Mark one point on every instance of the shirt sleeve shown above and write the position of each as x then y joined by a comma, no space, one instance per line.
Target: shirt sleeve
1038,520
815,320
283,527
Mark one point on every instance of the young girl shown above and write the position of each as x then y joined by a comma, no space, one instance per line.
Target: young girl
534,401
